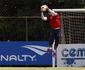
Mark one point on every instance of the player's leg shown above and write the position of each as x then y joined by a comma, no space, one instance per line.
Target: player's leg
56,45
51,40
57,35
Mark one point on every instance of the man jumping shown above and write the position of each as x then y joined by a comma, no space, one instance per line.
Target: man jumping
54,21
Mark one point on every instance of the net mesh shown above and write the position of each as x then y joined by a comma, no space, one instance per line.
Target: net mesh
73,24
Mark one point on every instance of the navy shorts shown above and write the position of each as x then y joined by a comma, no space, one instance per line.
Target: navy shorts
54,35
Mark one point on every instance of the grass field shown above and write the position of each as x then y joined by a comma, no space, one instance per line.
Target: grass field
41,68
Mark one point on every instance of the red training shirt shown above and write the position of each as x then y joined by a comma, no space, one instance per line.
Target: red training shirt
54,21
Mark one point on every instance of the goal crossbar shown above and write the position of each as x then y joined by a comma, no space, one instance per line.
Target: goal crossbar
69,10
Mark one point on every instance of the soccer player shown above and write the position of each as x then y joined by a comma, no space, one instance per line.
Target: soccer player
54,21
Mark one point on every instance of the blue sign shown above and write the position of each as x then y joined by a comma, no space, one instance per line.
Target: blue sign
25,53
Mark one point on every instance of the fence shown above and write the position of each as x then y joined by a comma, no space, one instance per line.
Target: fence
32,28
23,29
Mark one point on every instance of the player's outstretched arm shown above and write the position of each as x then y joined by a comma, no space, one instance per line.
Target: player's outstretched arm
52,12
